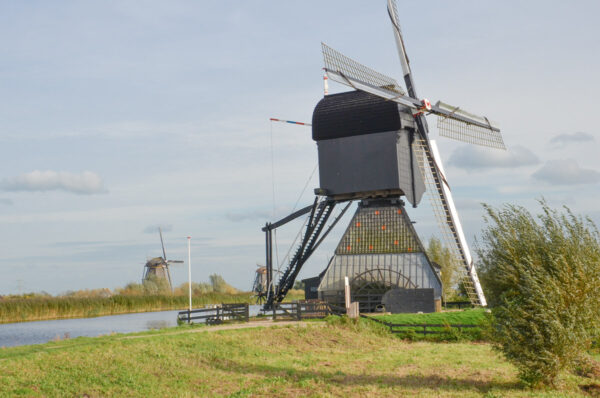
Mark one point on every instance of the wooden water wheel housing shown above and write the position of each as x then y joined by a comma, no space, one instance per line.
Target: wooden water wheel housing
369,287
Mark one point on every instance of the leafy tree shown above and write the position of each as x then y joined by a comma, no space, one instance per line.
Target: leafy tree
445,259
543,275
220,286
154,285
299,285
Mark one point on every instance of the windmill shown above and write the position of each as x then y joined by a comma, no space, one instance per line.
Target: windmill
374,147
260,286
158,267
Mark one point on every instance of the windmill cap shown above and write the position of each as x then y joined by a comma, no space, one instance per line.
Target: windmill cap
354,113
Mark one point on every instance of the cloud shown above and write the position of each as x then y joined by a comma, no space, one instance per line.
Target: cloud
6,202
565,139
251,215
152,229
86,183
566,172
472,158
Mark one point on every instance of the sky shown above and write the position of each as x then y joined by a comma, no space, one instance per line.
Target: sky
120,116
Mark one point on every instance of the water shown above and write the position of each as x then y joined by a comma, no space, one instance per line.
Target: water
25,333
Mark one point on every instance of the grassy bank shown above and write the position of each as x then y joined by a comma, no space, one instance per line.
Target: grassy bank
43,308
320,361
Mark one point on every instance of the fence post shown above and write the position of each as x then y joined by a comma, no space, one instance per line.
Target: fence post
424,330
247,312
274,311
298,311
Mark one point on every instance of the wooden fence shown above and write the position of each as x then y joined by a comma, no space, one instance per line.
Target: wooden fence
299,311
457,304
213,316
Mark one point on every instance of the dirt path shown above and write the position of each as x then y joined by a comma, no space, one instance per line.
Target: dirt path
253,324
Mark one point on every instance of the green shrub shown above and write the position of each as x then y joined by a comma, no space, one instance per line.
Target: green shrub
450,267
543,276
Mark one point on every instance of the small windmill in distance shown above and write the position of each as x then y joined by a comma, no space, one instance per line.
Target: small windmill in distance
159,266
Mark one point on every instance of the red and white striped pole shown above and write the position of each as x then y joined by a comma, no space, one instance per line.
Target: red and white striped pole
325,84
290,122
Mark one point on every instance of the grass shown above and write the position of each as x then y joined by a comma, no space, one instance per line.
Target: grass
339,359
44,308
464,317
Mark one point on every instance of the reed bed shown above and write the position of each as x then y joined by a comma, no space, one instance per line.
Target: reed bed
39,308
44,308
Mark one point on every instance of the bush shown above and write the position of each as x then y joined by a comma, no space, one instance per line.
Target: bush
543,276
220,286
450,267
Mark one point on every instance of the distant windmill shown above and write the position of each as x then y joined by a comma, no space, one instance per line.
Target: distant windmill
159,266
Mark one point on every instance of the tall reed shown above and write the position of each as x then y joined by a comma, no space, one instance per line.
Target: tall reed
42,308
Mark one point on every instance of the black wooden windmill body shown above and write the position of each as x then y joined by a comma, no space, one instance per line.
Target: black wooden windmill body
374,147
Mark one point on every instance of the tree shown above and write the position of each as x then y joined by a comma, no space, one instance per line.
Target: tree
220,286
543,276
154,285
443,257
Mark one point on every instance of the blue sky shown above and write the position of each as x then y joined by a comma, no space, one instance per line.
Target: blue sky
116,117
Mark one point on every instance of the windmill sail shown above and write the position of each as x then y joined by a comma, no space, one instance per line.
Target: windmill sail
451,127
337,62
432,167
442,204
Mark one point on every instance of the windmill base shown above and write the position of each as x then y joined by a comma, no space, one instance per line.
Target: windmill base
385,262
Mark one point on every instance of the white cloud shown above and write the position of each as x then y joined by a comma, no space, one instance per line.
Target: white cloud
566,172
85,183
6,202
472,158
565,139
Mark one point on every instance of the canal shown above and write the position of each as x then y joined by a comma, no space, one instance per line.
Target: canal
38,332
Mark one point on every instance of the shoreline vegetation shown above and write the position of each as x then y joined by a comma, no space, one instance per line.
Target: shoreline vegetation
152,295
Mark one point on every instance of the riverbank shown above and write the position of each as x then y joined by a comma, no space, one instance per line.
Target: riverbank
50,308
322,359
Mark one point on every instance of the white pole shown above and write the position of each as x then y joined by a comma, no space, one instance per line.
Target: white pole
347,292
189,238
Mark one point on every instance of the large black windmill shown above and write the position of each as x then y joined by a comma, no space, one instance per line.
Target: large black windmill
374,147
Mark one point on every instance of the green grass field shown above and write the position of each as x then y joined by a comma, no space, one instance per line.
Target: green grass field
322,359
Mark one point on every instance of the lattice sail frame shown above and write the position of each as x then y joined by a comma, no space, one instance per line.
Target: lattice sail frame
441,214
450,127
338,62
